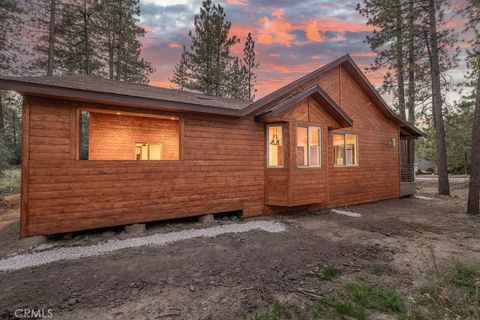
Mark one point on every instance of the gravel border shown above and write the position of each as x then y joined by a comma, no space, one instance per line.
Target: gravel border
346,213
22,261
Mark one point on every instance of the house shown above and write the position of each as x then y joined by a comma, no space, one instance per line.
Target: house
100,153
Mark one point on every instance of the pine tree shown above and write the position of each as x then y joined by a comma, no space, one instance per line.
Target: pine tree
10,24
12,133
79,32
398,41
208,67
251,65
387,40
434,11
180,72
237,87
209,52
121,41
472,13
41,24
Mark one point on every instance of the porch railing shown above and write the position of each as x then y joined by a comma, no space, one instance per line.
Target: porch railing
407,173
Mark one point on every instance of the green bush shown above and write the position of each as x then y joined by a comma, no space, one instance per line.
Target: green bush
10,180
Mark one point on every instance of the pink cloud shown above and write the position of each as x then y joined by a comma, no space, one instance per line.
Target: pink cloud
242,3
312,31
364,54
174,45
276,30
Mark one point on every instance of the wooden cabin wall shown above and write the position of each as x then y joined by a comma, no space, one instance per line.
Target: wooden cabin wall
377,175
222,169
309,185
113,137
277,180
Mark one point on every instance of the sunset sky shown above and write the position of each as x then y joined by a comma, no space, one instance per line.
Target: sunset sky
293,37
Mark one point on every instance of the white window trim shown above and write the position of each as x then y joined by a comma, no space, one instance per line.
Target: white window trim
267,142
345,148
308,146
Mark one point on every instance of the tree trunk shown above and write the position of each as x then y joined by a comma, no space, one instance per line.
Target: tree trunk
51,38
2,124
85,35
110,55
250,83
119,42
411,64
443,184
400,69
474,189
14,130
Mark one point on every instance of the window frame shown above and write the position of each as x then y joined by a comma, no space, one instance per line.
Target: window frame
309,127
357,158
90,108
267,142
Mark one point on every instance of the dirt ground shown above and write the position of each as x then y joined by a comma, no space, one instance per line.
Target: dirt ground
233,275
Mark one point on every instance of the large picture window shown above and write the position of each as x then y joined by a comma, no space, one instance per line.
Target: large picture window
345,147
120,135
275,146
308,146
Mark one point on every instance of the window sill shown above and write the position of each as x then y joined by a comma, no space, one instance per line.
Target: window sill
308,167
345,166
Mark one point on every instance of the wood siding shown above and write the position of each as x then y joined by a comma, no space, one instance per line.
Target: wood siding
377,175
222,170
222,164
277,180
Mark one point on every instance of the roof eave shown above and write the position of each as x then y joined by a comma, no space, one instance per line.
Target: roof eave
318,94
26,88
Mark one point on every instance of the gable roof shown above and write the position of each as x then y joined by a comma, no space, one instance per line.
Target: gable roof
91,89
318,94
347,62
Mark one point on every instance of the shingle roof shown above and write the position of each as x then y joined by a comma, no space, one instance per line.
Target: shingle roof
93,84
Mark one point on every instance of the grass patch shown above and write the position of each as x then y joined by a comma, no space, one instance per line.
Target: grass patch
277,311
331,272
10,180
351,310
451,292
355,301
372,297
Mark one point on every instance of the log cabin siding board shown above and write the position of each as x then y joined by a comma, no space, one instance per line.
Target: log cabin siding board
222,170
